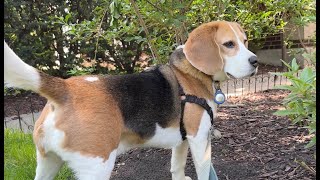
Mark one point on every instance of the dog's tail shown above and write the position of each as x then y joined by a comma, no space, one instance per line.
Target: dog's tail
21,75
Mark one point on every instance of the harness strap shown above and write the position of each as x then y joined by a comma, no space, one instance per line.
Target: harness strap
192,99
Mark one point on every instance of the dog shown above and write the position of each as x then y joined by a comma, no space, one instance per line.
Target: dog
89,120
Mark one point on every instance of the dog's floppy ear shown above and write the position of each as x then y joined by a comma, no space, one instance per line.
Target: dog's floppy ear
202,50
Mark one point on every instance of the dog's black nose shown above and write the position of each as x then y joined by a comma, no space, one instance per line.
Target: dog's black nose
253,60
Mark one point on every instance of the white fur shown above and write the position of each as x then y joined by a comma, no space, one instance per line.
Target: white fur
85,167
180,46
92,79
239,65
48,166
19,74
178,161
213,105
164,138
124,146
200,146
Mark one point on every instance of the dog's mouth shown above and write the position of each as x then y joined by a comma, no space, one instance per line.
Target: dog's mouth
254,72
230,76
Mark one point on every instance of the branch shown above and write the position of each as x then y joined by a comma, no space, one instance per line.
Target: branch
304,165
142,23
155,6
113,55
300,40
99,33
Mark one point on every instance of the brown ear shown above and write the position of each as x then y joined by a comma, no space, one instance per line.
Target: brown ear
202,50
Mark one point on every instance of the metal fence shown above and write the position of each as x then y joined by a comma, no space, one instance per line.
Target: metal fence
262,82
24,111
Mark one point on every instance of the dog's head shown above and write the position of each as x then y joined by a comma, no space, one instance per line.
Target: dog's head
220,47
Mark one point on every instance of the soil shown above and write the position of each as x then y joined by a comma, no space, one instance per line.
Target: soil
23,103
255,144
265,68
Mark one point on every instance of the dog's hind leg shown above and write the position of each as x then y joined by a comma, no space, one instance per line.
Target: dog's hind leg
48,166
89,168
178,161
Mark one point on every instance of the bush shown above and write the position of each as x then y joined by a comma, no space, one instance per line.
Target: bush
57,36
300,104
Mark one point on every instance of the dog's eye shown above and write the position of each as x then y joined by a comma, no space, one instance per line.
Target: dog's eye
229,44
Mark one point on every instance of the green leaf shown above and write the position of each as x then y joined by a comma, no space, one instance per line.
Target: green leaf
297,120
286,64
67,17
306,74
179,6
285,112
276,73
291,98
294,65
285,87
311,143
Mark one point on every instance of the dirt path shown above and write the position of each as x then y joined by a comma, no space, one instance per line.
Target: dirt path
255,144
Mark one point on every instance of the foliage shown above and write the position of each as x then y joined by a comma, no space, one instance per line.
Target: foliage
57,36
298,22
20,157
77,71
301,102
30,30
11,91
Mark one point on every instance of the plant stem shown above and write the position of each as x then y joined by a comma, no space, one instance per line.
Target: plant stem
98,34
142,23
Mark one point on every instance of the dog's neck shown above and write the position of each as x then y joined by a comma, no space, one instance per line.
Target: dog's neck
188,74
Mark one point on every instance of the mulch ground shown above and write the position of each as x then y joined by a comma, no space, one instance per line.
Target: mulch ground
23,103
255,144
265,68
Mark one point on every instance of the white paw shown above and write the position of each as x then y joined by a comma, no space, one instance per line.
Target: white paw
188,178
217,133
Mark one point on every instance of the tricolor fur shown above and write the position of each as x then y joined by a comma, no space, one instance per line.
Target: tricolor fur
89,120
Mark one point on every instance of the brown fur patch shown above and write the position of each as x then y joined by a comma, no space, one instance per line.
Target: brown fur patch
202,50
38,129
53,88
131,137
192,116
196,83
90,119
192,80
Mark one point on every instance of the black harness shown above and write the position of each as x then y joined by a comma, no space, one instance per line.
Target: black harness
192,99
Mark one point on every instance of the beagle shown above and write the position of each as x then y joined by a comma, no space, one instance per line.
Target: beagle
89,120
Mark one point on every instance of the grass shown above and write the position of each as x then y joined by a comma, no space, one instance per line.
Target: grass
20,157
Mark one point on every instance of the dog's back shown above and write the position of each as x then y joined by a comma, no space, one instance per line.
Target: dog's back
144,99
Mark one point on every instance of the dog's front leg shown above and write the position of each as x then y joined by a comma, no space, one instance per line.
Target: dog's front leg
178,161
200,146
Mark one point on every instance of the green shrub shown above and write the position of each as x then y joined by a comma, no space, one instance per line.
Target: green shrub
300,104
76,71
